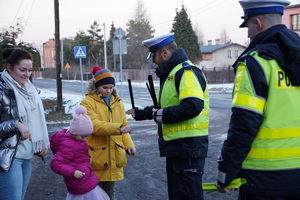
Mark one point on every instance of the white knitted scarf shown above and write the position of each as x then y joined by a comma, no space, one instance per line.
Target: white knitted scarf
30,111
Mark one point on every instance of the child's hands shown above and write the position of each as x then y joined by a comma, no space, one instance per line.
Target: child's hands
125,129
131,151
78,174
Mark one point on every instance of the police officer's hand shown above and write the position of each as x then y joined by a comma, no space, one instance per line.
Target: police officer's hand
132,112
153,111
222,190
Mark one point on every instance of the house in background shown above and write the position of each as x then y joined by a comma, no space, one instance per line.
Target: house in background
291,17
219,55
49,54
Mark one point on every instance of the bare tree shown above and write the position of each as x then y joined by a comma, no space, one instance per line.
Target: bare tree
138,29
199,34
224,37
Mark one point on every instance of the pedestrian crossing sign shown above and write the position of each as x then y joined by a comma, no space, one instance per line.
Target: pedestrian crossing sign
80,52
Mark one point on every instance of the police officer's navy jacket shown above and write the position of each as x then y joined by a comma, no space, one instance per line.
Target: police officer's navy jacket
178,115
263,140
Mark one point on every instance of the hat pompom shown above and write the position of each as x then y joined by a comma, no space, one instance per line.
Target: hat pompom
95,69
80,110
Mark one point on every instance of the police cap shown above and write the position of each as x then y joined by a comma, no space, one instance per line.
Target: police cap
256,7
153,44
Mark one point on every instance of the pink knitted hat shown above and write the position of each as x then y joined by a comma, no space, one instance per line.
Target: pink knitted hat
81,124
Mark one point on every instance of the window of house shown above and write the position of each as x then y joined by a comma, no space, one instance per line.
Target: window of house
296,22
229,54
236,53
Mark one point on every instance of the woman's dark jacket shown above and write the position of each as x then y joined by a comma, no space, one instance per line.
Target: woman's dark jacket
9,133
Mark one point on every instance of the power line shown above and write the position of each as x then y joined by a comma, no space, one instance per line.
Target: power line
17,13
27,20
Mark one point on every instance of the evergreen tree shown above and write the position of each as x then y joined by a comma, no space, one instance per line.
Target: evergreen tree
111,58
96,44
139,29
82,39
68,52
8,38
185,36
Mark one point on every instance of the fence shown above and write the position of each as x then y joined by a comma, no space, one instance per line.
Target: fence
214,75
36,74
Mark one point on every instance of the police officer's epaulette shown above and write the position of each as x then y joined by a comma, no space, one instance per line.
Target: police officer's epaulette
186,66
247,53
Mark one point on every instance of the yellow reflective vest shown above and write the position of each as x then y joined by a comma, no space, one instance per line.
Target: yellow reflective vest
277,143
189,87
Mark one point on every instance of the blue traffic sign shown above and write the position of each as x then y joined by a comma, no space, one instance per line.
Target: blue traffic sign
80,52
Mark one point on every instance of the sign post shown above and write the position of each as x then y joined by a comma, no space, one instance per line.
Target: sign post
80,52
68,67
119,33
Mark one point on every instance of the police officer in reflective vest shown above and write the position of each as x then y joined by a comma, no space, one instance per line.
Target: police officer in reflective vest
263,141
181,117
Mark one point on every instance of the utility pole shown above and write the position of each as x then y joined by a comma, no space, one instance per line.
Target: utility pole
105,54
59,107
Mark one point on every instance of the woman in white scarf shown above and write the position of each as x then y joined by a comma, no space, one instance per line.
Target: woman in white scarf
31,125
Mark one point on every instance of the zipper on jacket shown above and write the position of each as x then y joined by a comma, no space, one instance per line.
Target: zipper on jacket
120,146
109,106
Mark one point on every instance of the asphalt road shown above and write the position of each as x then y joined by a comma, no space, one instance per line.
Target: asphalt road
145,177
218,100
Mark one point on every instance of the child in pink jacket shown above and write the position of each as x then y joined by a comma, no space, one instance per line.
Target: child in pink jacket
72,161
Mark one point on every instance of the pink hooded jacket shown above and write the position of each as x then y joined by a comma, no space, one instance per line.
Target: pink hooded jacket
71,155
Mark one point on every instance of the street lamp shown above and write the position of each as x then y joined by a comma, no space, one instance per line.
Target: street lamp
105,55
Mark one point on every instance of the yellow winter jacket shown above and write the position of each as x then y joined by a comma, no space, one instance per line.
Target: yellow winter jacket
107,147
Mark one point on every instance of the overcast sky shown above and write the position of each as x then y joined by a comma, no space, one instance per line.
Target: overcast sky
210,16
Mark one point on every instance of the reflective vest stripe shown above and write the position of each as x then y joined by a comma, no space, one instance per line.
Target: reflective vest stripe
278,133
276,164
204,112
188,130
254,103
260,153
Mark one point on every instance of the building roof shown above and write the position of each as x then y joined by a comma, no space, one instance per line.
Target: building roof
213,48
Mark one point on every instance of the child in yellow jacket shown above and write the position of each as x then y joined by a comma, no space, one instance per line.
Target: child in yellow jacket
110,141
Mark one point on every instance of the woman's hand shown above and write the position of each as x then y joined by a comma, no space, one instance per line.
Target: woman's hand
25,134
43,152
